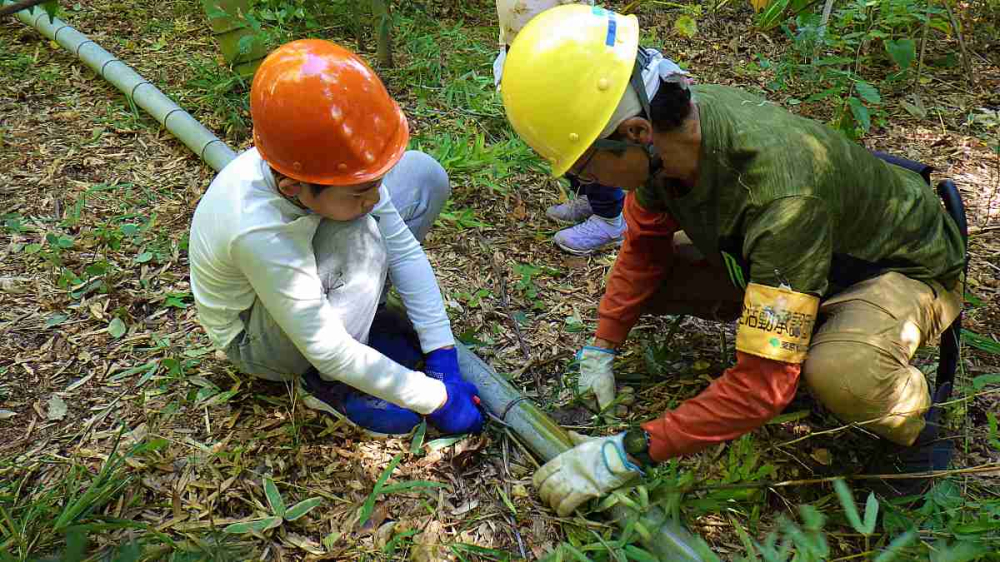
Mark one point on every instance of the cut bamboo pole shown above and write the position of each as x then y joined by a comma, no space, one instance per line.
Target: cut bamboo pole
187,129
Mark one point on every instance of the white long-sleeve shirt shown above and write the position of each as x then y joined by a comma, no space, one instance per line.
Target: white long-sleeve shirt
248,242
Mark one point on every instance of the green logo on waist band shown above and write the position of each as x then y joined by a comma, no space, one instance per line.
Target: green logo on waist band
734,269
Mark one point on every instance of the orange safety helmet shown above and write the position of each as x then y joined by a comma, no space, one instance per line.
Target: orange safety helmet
321,115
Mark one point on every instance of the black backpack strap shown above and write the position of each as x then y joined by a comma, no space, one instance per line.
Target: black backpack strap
923,169
951,338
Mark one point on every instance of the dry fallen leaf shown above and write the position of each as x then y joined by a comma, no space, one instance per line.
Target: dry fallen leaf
822,456
465,507
305,543
6,414
14,285
57,408
427,545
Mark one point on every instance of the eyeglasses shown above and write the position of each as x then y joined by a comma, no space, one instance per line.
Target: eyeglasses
581,171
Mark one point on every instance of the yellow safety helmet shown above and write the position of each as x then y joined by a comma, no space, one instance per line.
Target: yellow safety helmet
564,76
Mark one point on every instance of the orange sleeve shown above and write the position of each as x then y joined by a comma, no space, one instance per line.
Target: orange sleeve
642,263
741,400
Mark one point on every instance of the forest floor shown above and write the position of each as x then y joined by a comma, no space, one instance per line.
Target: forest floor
108,383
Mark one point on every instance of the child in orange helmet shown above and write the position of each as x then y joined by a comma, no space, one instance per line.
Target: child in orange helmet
291,245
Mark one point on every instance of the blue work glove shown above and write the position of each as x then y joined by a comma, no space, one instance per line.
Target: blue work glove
442,364
459,413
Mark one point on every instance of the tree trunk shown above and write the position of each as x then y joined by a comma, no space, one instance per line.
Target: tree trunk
383,22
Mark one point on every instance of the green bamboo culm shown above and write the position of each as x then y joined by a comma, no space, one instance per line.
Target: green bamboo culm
239,37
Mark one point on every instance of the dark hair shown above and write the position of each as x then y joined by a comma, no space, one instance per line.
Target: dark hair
315,188
671,106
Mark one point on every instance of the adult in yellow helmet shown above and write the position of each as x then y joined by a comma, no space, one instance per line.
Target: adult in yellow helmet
837,264
594,213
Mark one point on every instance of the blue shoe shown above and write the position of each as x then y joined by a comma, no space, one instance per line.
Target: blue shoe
368,412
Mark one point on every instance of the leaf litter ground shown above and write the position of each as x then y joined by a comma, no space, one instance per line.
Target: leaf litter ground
92,186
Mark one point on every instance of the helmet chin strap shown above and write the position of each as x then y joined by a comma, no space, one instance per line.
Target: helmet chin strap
655,162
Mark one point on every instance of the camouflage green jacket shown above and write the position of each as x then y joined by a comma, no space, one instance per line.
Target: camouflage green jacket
786,200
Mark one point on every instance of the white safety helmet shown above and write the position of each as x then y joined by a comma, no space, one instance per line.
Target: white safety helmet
515,14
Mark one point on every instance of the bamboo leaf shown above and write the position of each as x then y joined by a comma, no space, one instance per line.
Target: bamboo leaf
860,113
506,500
897,545
258,526
902,52
302,508
871,513
847,500
443,442
274,497
635,553
403,486
418,439
369,505
577,555
981,342
771,17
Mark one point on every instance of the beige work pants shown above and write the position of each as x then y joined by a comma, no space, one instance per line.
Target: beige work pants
858,365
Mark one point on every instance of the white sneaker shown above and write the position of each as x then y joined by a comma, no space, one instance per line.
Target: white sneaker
594,234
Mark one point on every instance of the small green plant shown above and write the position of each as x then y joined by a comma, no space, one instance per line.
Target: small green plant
474,300
381,488
462,219
526,275
279,513
35,519
828,56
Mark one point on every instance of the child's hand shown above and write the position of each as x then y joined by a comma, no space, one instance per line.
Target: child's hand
459,413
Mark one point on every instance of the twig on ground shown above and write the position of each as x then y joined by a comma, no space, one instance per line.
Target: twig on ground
966,61
982,469
517,535
541,363
861,424
923,49
505,301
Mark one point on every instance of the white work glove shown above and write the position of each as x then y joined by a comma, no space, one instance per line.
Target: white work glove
597,380
589,470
